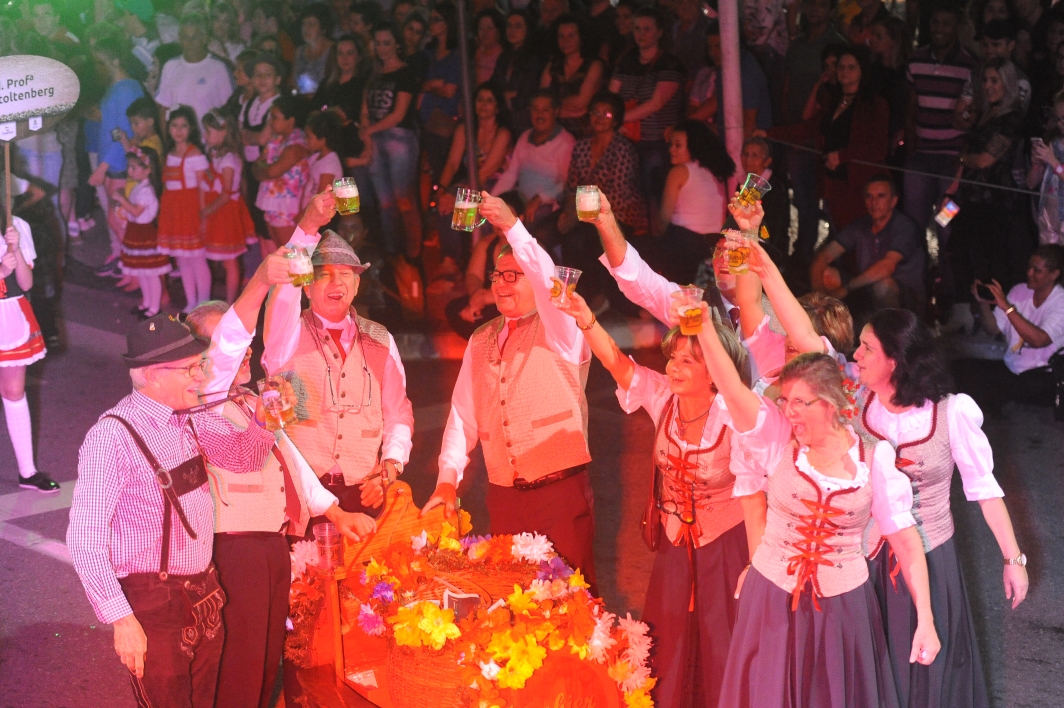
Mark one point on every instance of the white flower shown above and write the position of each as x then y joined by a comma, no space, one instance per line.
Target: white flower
532,547
540,590
489,670
288,624
419,542
601,638
638,642
636,679
304,553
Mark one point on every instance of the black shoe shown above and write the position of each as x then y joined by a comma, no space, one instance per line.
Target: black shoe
41,482
110,269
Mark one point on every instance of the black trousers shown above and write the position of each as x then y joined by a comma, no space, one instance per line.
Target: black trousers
255,572
182,619
992,384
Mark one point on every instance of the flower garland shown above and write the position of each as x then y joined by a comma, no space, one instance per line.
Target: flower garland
501,646
305,601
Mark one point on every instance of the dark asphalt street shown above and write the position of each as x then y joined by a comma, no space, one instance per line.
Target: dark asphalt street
53,652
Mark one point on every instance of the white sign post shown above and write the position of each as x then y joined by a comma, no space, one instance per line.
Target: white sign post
35,92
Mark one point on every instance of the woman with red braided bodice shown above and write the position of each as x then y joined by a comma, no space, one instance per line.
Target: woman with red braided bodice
905,400
809,631
702,544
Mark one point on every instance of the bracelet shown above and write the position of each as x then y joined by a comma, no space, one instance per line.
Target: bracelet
590,324
1012,308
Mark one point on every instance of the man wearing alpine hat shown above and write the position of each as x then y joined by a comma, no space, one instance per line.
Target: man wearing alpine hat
356,424
142,519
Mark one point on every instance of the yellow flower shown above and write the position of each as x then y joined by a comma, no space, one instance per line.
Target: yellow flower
376,570
576,581
521,601
500,644
438,625
406,629
447,531
450,544
620,671
580,650
525,657
640,698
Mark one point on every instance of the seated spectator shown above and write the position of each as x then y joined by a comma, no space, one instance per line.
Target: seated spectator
1032,320
888,258
693,204
1047,155
538,169
490,27
308,69
196,78
574,74
519,69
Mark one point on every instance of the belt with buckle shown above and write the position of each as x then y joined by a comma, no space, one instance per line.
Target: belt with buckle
525,485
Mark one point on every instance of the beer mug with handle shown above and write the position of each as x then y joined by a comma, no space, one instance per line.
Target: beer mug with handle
466,203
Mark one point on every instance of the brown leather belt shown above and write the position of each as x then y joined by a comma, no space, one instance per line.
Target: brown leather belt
525,485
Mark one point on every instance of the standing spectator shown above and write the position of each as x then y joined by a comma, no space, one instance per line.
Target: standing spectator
937,74
549,13
649,82
415,29
225,40
689,36
602,31
229,224
267,20
489,26
1043,90
308,69
538,169
851,125
345,78
989,236
859,29
438,104
889,44
693,205
243,89
388,117
997,41
1046,171
574,74
324,132
803,70
518,69
757,159
364,16
705,97
195,78
888,248
282,171
48,24
267,73
624,41
115,63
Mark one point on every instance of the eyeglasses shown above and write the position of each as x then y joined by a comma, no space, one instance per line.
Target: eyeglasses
601,114
189,370
507,276
784,403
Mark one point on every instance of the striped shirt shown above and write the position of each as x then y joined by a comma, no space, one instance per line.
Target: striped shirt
938,85
117,511
638,83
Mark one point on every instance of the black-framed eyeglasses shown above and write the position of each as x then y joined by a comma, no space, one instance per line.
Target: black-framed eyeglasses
189,370
507,276
785,403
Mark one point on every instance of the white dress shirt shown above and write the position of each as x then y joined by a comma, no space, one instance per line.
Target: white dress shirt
1049,317
281,337
562,334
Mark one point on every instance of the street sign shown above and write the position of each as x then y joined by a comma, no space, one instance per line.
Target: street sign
35,92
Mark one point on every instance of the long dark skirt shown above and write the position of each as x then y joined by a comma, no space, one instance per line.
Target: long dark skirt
835,657
690,647
956,677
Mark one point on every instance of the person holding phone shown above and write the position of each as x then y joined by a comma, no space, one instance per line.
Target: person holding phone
1047,175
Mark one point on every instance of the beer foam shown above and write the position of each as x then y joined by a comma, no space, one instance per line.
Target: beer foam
466,205
346,192
587,202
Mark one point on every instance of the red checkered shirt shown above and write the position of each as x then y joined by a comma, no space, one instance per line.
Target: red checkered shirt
117,512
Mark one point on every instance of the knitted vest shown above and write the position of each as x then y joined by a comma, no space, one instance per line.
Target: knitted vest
529,402
254,501
812,537
928,463
702,476
341,427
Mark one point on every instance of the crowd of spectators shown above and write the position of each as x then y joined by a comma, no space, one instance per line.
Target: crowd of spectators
866,117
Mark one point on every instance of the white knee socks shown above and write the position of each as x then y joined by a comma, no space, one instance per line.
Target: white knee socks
21,432
196,280
151,289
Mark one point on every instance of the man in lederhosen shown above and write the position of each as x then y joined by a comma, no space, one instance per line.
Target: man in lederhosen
520,392
142,519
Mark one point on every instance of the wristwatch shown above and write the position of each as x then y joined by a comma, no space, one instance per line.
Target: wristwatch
398,466
1020,560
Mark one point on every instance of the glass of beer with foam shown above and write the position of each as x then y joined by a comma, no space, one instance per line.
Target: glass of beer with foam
277,405
588,203
300,267
346,192
466,203
690,310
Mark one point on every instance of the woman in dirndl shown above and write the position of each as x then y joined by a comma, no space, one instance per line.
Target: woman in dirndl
906,401
809,631
698,534
21,344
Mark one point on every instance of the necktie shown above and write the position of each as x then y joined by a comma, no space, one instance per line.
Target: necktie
511,325
291,498
336,335
733,315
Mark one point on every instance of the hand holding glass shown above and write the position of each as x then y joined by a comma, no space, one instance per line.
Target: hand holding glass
739,250
563,284
753,190
300,266
588,204
279,409
690,310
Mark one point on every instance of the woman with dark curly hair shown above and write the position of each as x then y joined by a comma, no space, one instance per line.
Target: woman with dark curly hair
692,206
308,69
906,401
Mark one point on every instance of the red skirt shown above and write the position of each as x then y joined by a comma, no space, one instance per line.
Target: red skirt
32,349
140,251
179,223
228,229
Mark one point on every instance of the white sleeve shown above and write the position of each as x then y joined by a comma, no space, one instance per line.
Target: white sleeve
460,433
508,179
280,331
971,449
648,389
398,413
25,240
317,497
768,440
226,352
642,285
562,333
144,195
768,350
892,492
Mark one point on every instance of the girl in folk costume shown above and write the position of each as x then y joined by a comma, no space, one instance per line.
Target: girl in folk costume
324,132
21,344
136,207
282,170
181,228
229,223
690,604
809,629
905,400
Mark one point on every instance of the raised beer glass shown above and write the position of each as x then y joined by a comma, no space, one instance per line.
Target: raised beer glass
346,192
690,311
466,203
563,284
279,409
300,267
738,250
588,204
753,190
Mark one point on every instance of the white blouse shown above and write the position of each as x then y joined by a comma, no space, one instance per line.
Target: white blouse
233,161
967,441
143,194
193,165
769,440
